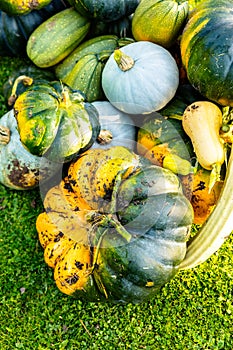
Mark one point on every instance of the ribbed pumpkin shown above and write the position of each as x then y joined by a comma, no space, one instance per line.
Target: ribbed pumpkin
203,198
121,228
159,21
19,169
55,121
206,50
145,77
164,142
106,11
64,234
93,174
82,69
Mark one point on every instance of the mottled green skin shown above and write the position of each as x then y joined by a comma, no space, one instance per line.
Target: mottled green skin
168,131
207,52
145,198
57,37
134,272
15,30
82,69
159,21
153,210
55,121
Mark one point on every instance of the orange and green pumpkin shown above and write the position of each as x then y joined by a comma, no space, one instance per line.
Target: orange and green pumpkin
121,229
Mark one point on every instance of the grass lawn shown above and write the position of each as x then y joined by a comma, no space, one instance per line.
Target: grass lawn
194,311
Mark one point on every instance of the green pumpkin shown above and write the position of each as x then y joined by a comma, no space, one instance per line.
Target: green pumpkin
206,50
164,142
159,21
121,27
130,237
55,121
152,209
19,169
106,11
93,174
145,77
82,69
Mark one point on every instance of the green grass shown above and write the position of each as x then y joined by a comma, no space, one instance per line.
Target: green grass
194,311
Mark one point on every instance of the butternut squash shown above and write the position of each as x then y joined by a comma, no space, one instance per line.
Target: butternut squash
209,144
202,121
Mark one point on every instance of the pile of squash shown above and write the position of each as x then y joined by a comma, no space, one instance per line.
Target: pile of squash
122,118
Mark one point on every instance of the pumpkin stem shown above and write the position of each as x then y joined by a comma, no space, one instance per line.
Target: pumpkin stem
104,137
121,230
124,61
27,81
117,183
105,221
65,102
4,135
